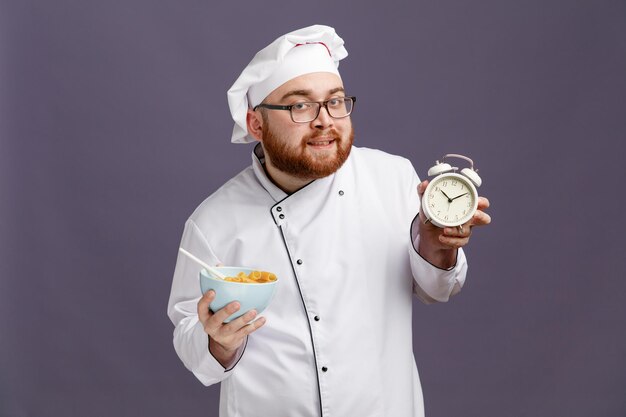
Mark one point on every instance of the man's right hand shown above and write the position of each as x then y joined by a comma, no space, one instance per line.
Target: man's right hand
225,338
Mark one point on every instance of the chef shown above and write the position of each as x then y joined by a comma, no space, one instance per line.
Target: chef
341,228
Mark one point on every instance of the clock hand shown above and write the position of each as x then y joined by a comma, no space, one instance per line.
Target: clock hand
458,196
444,193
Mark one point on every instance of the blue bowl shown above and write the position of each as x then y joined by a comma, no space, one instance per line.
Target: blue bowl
255,296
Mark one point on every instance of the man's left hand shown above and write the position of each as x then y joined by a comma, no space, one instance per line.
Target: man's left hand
439,245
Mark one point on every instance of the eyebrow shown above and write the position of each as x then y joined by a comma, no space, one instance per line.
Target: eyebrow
308,93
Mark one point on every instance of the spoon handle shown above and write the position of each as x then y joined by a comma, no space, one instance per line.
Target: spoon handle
204,264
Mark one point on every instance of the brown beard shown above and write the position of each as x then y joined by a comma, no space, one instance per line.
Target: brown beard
298,163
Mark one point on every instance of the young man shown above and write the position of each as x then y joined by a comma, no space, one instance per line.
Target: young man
339,225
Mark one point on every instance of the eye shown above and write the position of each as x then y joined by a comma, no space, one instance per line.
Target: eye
301,106
336,101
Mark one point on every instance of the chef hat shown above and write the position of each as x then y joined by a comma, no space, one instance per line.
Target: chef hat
315,48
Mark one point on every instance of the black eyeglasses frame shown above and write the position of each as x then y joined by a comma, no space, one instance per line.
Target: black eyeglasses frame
321,103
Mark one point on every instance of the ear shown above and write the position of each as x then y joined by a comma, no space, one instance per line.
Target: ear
254,122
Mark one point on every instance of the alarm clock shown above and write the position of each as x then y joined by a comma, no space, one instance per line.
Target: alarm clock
451,198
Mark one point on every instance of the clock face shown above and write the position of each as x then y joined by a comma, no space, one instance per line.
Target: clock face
450,200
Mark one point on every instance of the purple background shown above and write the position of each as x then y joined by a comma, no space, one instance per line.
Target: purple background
114,126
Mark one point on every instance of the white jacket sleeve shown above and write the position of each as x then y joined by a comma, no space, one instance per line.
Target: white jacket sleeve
190,340
431,283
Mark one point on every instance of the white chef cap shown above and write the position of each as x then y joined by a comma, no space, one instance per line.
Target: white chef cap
315,48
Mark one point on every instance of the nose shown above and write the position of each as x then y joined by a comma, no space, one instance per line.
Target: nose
323,119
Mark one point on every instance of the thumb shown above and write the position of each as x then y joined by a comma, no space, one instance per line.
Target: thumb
422,187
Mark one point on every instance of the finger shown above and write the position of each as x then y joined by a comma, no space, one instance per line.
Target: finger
483,203
453,242
460,231
251,327
232,334
216,321
239,322
480,219
421,187
203,306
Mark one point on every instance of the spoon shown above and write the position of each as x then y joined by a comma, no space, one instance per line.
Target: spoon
205,265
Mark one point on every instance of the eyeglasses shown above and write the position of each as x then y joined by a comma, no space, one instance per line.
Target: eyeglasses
304,112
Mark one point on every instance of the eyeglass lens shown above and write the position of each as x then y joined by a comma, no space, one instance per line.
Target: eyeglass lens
337,108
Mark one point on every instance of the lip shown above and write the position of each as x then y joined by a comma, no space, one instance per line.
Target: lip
321,142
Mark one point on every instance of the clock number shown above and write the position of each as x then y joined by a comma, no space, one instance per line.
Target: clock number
454,183
444,184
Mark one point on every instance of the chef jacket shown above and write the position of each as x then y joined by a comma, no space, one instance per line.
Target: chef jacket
338,336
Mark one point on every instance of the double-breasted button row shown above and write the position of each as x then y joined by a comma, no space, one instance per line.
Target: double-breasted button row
278,213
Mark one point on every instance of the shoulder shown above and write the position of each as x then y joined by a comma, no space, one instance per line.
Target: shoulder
380,163
383,177
241,191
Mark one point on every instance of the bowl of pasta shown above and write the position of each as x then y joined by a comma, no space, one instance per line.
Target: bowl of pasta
253,289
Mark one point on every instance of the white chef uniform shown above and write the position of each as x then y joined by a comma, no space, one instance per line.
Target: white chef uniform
338,336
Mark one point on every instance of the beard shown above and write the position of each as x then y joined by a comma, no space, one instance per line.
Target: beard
298,162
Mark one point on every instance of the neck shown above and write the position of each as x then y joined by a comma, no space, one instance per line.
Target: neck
285,182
